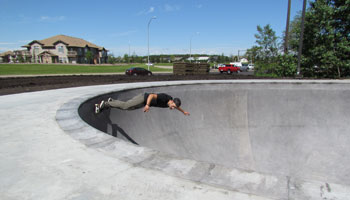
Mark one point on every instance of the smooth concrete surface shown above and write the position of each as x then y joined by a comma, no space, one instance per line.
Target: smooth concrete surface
281,146
258,138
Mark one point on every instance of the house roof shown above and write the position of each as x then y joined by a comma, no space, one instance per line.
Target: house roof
48,52
203,58
68,40
7,53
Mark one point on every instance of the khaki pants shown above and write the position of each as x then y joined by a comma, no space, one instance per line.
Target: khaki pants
134,103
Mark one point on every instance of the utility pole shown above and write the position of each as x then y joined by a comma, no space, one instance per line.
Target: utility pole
154,17
301,37
287,29
238,53
129,51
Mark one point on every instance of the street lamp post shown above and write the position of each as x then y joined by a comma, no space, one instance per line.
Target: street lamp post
154,17
240,51
129,53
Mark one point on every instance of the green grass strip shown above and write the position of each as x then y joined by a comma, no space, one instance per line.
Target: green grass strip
40,69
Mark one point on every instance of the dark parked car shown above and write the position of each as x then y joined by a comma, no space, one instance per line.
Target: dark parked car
137,71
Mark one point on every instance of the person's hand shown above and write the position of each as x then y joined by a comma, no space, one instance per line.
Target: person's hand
146,108
186,113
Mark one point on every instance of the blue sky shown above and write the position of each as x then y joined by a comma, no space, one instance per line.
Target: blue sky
223,26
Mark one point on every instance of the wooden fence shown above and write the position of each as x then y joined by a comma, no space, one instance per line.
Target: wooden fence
190,68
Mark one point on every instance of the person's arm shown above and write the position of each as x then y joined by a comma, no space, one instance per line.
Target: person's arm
184,112
148,102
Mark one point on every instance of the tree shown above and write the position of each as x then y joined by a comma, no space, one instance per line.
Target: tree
172,58
20,58
327,38
253,53
126,58
267,41
293,35
326,44
89,57
111,59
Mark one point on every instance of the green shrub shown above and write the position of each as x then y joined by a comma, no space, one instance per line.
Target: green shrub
287,66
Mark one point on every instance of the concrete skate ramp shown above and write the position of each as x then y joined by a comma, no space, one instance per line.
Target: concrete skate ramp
285,129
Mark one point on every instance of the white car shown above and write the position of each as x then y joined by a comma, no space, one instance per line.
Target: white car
251,67
220,65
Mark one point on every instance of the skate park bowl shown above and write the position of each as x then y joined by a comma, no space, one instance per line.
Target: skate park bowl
275,139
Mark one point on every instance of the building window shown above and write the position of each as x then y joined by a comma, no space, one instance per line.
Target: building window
60,49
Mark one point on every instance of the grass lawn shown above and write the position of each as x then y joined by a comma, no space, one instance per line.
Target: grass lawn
36,69
165,64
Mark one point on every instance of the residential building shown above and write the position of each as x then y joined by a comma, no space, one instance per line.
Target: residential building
15,56
199,59
7,57
65,49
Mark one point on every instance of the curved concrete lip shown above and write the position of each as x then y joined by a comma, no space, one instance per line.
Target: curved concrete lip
254,185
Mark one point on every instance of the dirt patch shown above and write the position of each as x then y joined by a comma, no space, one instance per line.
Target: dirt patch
13,85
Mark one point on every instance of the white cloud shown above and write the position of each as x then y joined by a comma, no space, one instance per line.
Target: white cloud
145,12
24,41
7,43
170,8
151,10
52,19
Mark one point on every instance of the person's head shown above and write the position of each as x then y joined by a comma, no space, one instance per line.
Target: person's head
174,103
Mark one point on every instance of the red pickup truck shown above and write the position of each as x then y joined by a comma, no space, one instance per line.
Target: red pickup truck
229,69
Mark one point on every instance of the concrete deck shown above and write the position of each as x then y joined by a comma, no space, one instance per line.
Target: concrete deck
48,152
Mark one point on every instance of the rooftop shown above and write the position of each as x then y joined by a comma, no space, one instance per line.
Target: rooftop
70,41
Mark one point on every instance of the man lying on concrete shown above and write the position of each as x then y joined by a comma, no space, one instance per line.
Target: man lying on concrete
145,100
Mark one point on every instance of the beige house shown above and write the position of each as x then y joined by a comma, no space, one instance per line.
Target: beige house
6,57
65,49
15,56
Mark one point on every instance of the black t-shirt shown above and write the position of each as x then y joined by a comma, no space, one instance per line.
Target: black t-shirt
161,101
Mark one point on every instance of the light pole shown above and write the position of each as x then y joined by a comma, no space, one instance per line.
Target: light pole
197,33
154,17
129,53
240,51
